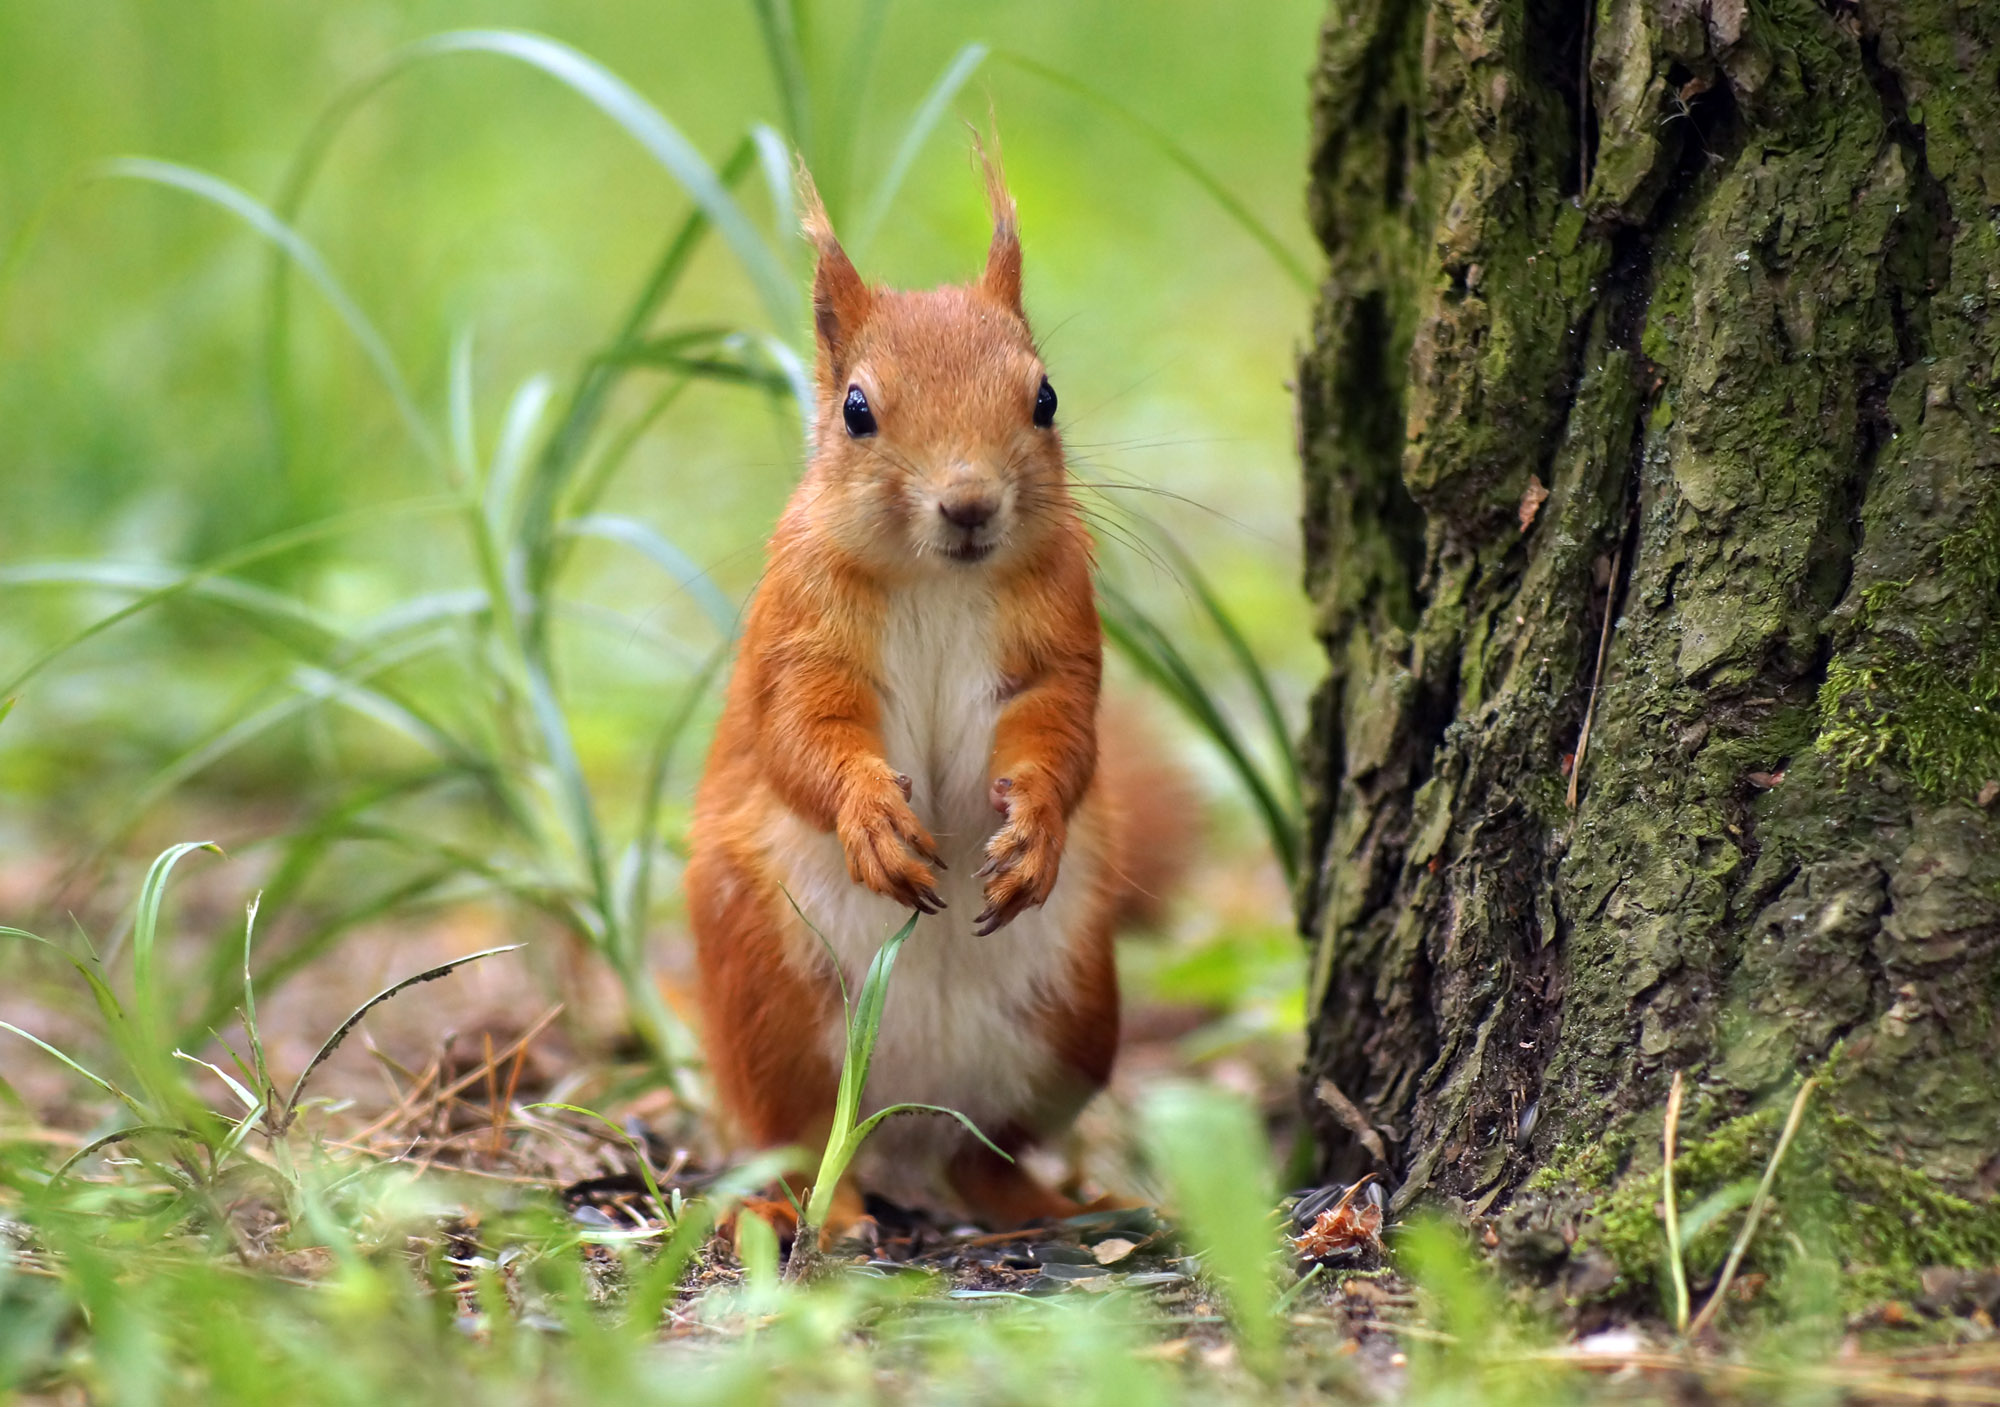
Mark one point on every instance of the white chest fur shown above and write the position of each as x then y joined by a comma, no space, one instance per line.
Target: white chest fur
961,1025
940,696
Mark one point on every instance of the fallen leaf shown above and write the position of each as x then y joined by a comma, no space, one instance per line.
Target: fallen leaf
1766,780
1114,1248
1349,1226
1532,498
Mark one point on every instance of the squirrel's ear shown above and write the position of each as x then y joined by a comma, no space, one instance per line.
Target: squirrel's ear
841,301
1002,279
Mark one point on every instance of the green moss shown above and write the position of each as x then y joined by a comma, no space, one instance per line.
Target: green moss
1588,1167
1891,1219
1840,1189
1672,304
1932,708
1628,1228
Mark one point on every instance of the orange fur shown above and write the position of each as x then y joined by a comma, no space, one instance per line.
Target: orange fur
914,715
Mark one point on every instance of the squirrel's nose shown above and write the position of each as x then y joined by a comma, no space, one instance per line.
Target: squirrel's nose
970,510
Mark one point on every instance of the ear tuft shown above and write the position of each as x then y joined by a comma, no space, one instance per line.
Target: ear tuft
1002,279
841,301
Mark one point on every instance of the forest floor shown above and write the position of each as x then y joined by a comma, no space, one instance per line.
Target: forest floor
490,1229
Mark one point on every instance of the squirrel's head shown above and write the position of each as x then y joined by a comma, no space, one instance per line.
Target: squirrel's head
935,445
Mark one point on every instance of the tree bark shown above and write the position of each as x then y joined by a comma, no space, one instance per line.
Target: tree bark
1724,280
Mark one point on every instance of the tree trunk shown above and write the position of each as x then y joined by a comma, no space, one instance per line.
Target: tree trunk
1722,281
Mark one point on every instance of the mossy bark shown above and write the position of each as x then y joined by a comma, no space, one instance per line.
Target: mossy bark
1724,278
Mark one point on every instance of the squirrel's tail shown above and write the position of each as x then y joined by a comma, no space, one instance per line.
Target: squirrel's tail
1154,812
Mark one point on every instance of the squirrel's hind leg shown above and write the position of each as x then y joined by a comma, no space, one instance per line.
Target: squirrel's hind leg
767,1028
1003,1194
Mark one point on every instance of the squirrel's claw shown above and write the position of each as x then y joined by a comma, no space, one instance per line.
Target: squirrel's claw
887,847
1022,859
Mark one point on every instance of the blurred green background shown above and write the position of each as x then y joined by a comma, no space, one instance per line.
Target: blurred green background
149,416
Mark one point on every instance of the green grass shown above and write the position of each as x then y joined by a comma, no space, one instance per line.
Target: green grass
463,768
250,1253
346,552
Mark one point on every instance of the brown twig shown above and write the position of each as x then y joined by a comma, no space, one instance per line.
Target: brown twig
507,1102
1597,673
463,1083
403,1106
1708,1311
494,1119
1356,1122
1671,1209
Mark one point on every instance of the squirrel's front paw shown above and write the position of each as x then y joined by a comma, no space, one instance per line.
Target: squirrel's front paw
1023,856
887,846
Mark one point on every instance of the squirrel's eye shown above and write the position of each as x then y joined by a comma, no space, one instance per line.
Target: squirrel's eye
1045,405
854,410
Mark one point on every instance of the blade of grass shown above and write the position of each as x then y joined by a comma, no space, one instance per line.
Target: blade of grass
1247,663
1755,1214
863,1025
572,791
784,50
261,1068
109,1088
594,475
294,247
238,1131
97,1145
158,585
332,1042
774,160
1669,1206
1162,142
1153,653
867,1126
510,456
671,733
146,922
834,168
662,553
1285,1301
612,96
1211,1146
660,1279
916,132
249,1100
1715,1206
539,535
638,1149
107,1001
464,431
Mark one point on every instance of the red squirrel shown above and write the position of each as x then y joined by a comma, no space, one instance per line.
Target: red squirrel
913,723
